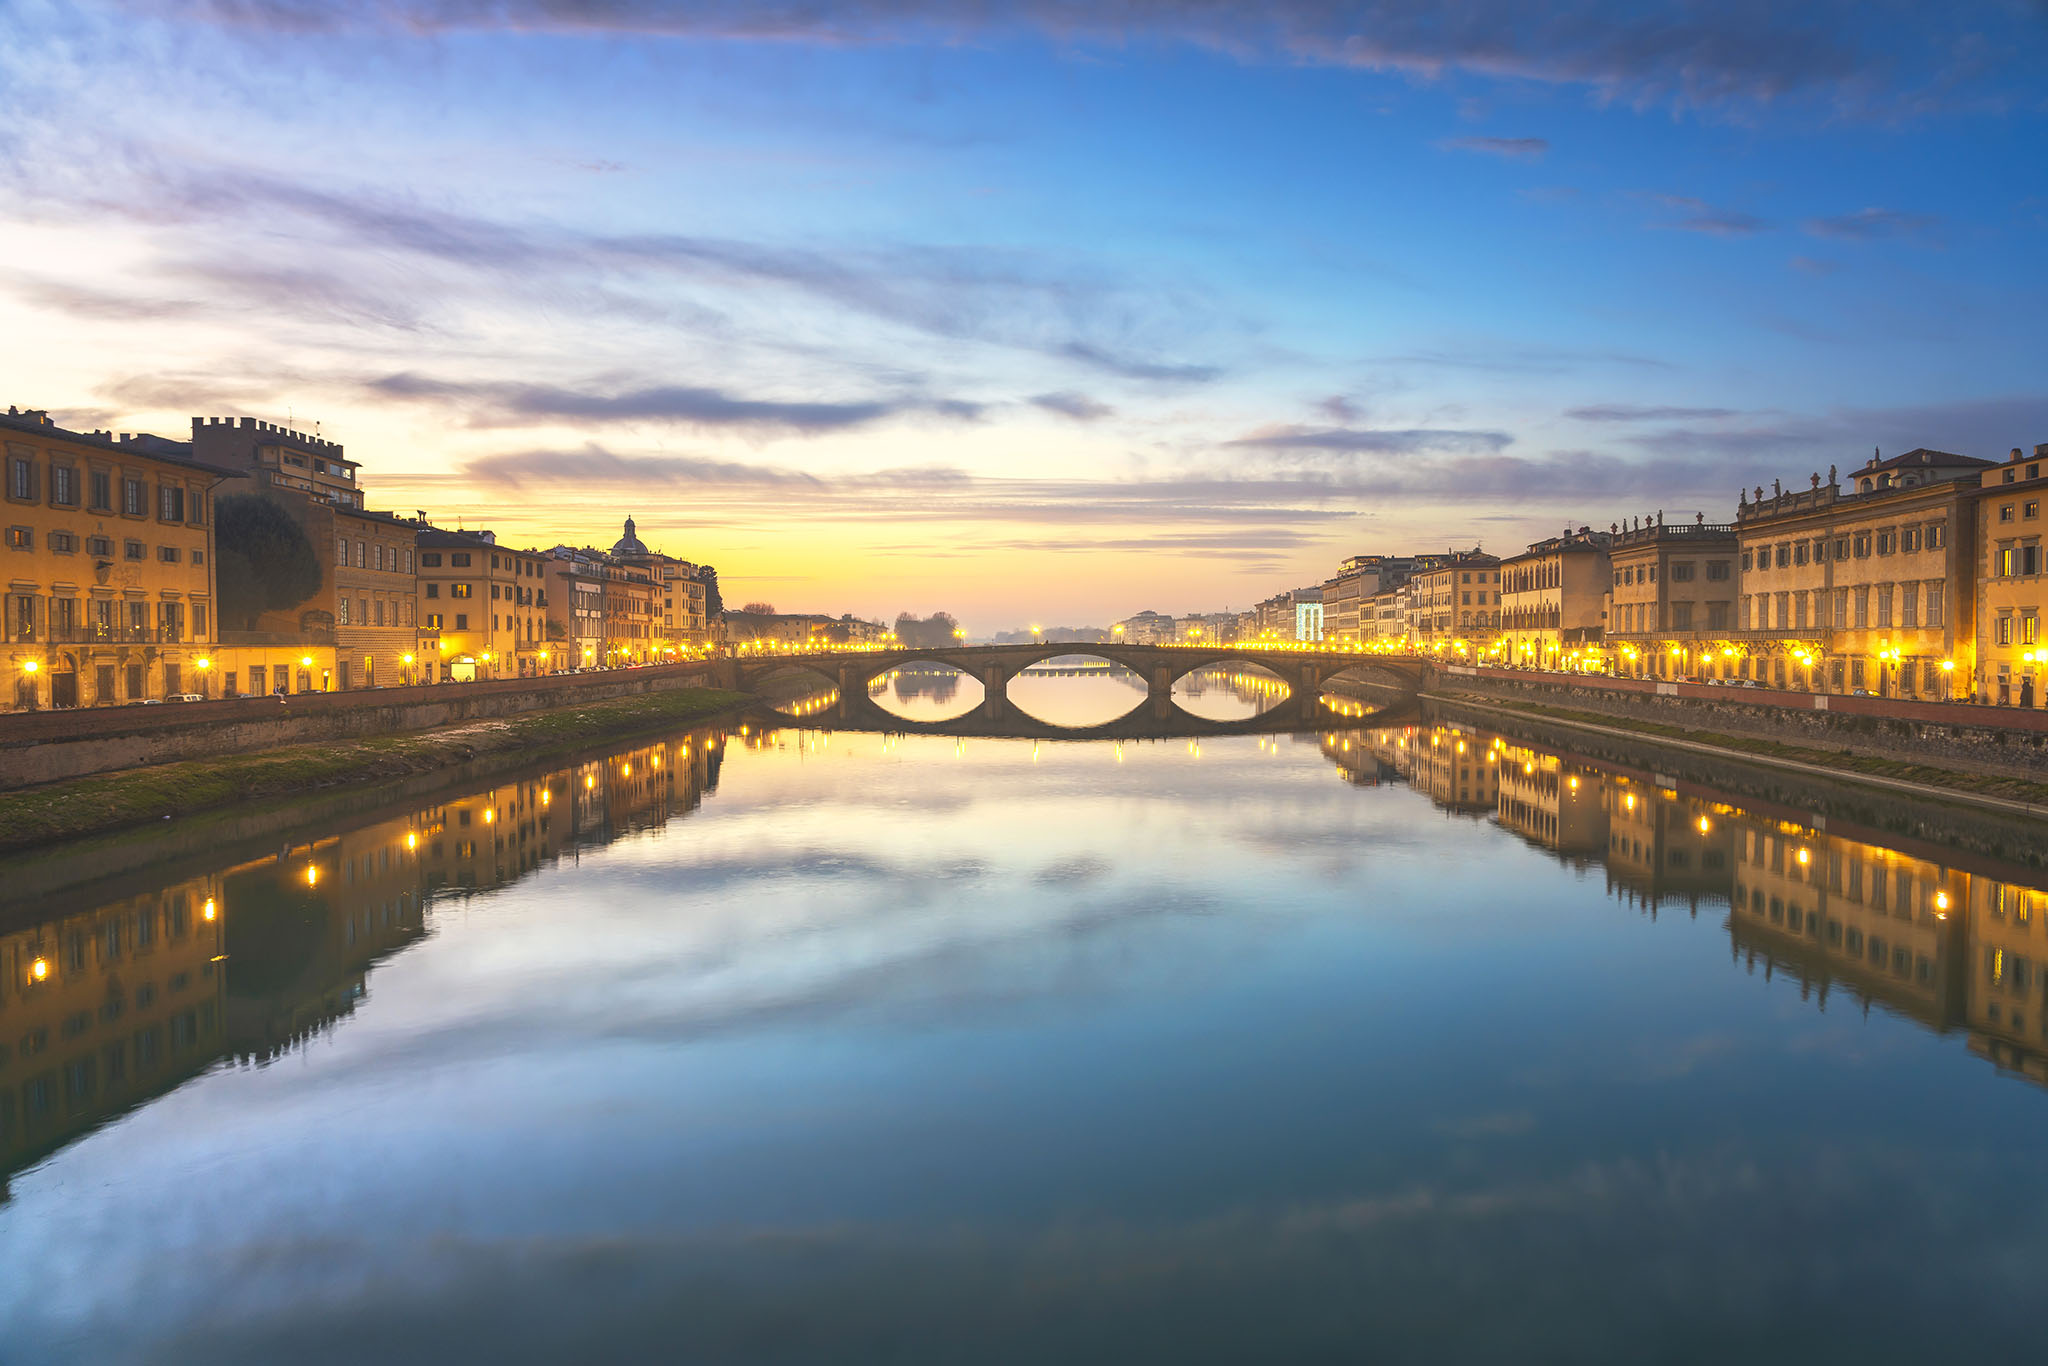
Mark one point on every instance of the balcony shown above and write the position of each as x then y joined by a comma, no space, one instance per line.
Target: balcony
73,634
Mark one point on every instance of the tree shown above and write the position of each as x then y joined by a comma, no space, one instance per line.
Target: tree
264,562
714,601
927,633
760,609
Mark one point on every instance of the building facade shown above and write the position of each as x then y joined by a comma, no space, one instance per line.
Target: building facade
1868,588
2012,584
1456,601
1553,601
109,567
485,607
1673,609
275,457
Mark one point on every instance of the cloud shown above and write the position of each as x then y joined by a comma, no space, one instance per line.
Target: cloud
1866,225
1811,265
1354,440
502,403
83,301
1523,360
1515,149
1624,412
1080,407
1696,215
1671,53
1132,367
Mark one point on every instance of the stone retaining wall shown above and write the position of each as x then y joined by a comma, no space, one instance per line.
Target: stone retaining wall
46,746
1986,740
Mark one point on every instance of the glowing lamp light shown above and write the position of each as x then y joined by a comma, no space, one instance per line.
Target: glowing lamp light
1704,827
589,781
203,662
1941,901
489,815
29,666
40,969
306,661
210,911
312,874
406,659
412,840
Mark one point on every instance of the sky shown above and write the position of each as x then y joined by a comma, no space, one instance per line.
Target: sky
1043,312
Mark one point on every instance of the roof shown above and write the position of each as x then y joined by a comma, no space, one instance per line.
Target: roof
37,423
1921,459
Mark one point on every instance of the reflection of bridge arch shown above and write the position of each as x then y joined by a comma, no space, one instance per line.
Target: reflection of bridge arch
1303,671
1142,723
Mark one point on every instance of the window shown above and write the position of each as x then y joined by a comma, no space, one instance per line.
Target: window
101,546
1863,606
433,621
2028,511
1746,560
377,555
134,498
2030,629
362,556
377,612
2030,559
170,620
1717,571
1681,572
1909,604
1887,542
1909,539
100,491
408,563
431,559
1681,616
63,542
341,550
134,550
433,590
2005,511
199,621
1717,616
1937,535
21,479
1784,554
1862,545
64,486
1884,604
170,503
460,590
462,621
2008,561
1931,603
341,617
1799,553
168,554
1841,547
20,538
459,559
2004,629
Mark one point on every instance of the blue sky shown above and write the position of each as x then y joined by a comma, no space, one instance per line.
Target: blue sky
1036,312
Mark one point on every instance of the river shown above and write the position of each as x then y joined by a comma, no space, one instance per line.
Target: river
1413,1042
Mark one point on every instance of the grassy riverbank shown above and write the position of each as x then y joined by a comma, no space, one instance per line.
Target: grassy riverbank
114,801
1925,775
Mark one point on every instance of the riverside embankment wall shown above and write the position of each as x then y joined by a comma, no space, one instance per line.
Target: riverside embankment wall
46,746
2004,741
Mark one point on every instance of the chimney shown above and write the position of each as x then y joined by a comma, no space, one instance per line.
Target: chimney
2041,451
2014,458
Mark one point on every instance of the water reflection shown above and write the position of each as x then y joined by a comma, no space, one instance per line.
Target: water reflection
1229,692
1952,941
102,1008
1077,690
1177,1033
927,692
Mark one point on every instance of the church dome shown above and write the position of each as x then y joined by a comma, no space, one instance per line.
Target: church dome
629,544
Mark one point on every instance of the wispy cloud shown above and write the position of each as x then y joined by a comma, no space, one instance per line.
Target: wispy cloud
1363,441
1515,149
1865,225
1813,265
1696,215
1626,412
502,403
1080,407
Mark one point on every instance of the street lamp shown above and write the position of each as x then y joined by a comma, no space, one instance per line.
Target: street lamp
202,664
1948,680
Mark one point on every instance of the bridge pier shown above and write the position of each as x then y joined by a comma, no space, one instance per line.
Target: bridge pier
995,686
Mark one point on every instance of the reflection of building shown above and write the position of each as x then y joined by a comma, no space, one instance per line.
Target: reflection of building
2006,995
104,1008
1659,847
1841,911
1551,803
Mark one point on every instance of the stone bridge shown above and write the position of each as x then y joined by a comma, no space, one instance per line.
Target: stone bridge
1305,672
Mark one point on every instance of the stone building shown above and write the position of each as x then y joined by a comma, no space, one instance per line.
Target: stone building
275,457
1456,601
1553,601
1674,599
2012,584
109,567
680,622
1868,588
486,608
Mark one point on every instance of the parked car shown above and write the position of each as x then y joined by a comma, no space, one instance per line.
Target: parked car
1859,692
186,697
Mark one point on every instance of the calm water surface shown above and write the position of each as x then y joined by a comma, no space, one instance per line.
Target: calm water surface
1411,1044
